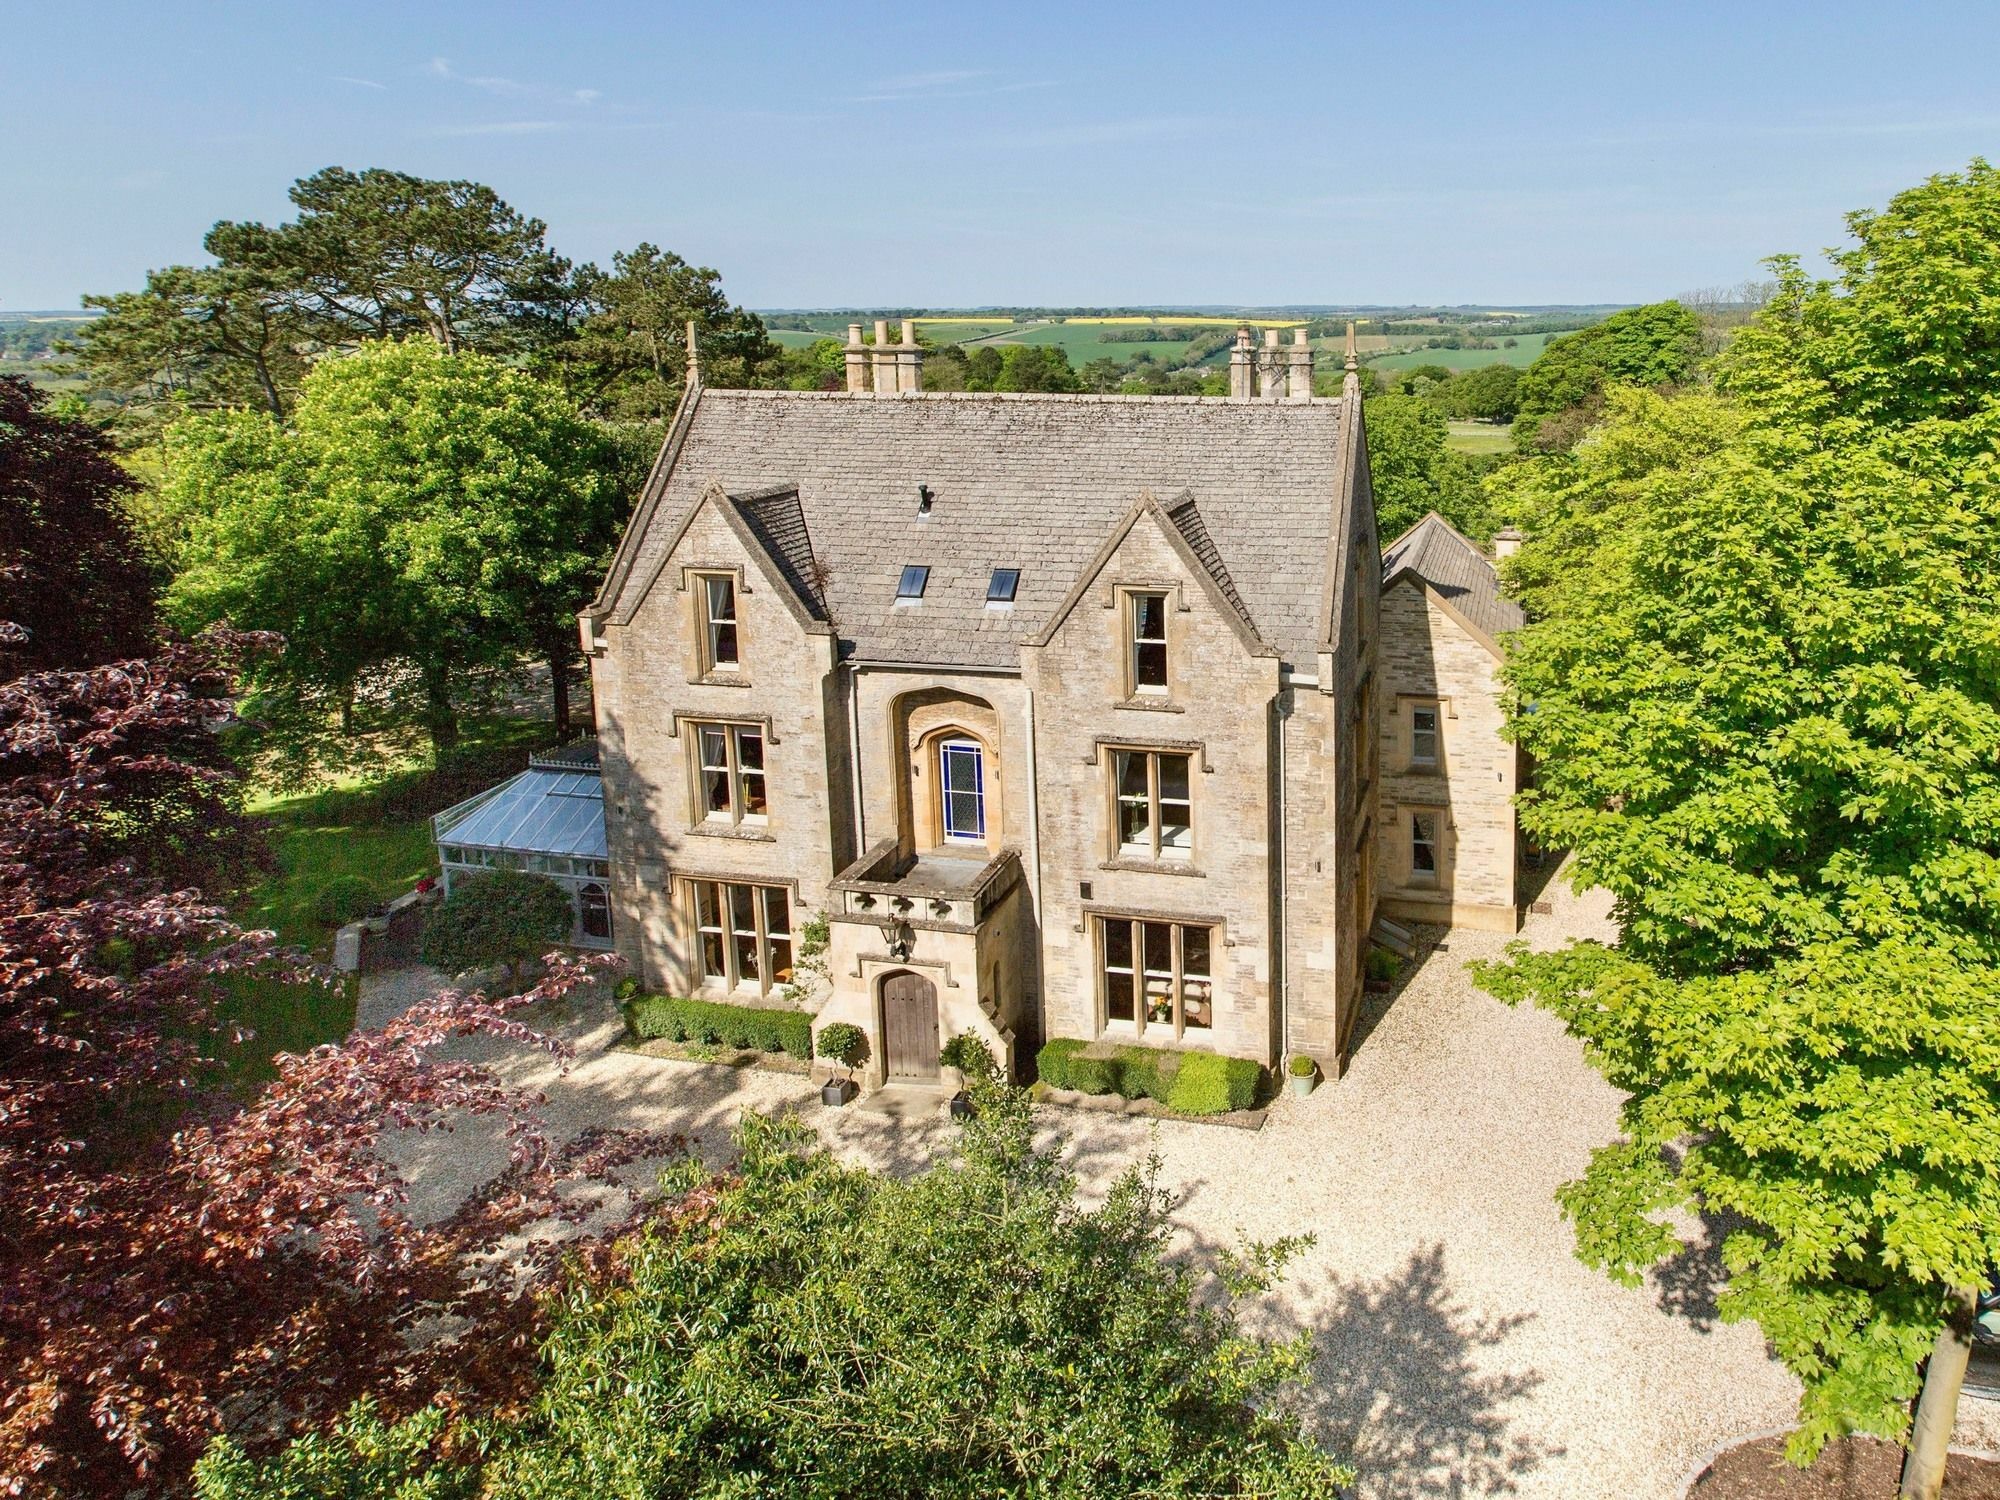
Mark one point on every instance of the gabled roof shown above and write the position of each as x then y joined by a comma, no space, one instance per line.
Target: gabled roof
1186,516
1034,482
1443,559
778,521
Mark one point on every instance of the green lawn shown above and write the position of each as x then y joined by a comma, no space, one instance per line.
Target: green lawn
1479,437
317,836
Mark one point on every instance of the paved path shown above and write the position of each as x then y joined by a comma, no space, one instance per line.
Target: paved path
1466,1351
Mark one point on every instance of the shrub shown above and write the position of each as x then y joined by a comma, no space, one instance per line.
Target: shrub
1208,1084
628,989
1052,1063
799,1318
1382,965
1302,1066
343,898
841,1043
497,918
970,1056
754,1027
1093,1075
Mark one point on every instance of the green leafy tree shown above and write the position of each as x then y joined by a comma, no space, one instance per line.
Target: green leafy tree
371,255
629,358
426,508
363,1455
196,339
1414,472
499,918
378,254
1762,688
1561,393
1491,393
800,1328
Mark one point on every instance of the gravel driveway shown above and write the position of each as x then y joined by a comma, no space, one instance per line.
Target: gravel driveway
1465,1350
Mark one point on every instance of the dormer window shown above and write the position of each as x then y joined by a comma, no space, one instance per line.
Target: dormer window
718,623
1148,616
910,588
1000,587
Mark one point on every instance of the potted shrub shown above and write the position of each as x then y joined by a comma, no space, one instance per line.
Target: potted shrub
842,1045
1302,1073
969,1055
1380,968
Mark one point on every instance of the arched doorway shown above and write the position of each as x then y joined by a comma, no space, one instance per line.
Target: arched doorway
909,1028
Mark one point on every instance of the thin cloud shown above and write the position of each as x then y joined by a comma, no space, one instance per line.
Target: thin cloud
937,78
510,88
360,83
1801,130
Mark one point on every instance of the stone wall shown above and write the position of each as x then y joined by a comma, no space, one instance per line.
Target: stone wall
1427,656
646,677
1219,710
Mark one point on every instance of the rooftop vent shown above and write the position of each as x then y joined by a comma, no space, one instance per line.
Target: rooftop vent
1000,587
911,587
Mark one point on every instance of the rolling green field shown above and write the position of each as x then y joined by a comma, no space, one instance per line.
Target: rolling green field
1529,345
1083,342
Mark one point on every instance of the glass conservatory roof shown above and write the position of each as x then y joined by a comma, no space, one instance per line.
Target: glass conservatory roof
541,811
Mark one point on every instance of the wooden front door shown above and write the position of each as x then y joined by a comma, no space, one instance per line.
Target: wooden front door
909,1028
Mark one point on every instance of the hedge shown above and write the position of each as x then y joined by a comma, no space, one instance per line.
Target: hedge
1192,1083
1207,1084
1052,1062
757,1027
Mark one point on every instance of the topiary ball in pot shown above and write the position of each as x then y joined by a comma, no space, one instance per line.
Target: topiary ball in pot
844,1045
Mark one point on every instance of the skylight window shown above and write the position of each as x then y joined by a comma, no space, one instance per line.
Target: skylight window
1000,587
911,587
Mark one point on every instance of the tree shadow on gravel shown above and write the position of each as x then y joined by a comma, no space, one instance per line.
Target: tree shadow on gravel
1397,1390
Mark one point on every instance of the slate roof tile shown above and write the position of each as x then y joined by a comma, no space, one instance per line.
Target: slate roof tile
1019,481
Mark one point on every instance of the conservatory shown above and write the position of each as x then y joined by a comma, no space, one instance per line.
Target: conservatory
548,820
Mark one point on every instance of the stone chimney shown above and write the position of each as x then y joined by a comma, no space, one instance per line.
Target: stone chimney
1301,367
909,360
1270,367
1242,367
857,359
882,360
1506,542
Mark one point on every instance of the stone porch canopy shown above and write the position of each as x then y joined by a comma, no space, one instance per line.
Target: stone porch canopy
839,493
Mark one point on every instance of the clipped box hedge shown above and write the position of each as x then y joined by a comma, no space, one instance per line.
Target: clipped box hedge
1191,1083
753,1027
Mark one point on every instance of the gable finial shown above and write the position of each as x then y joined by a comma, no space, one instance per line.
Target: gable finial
694,357
1350,383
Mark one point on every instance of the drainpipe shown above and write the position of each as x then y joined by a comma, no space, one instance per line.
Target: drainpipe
854,755
1035,857
1279,948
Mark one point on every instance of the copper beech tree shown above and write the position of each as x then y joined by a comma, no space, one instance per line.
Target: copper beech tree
176,1258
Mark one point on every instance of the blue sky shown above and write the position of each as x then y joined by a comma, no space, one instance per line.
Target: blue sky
835,154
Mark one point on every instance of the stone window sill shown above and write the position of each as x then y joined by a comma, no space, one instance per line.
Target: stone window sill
1154,867
735,831
1151,705
720,679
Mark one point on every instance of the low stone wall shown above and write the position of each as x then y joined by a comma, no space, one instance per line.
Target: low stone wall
388,941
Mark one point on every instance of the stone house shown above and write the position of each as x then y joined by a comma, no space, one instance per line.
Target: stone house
1445,849
1060,712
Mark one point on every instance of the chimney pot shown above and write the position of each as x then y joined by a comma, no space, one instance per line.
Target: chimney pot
857,359
1506,542
1299,368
